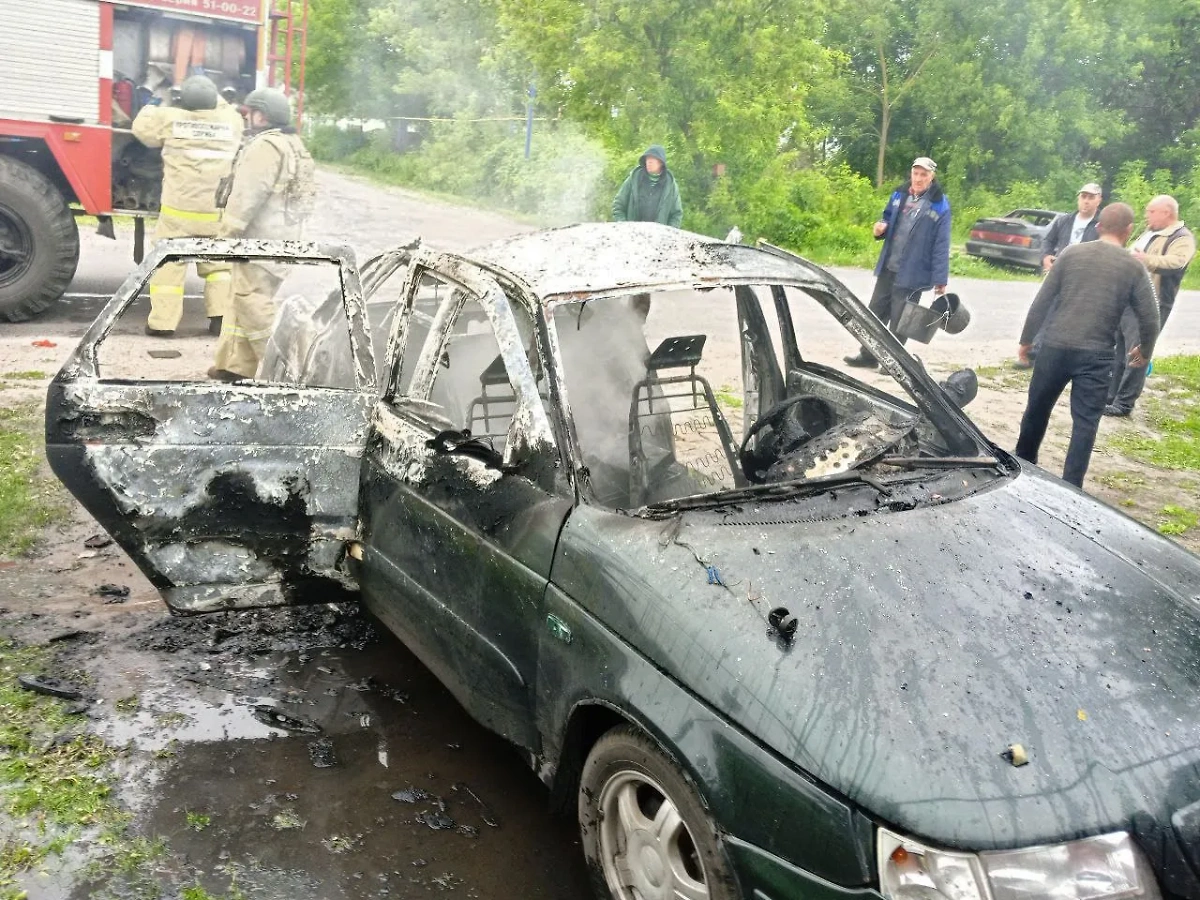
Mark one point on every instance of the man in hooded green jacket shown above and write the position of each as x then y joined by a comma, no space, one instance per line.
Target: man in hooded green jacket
649,194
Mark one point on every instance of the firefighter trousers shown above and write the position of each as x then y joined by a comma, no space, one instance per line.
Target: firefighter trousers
250,319
166,284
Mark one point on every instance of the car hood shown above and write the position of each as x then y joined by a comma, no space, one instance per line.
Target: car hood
928,641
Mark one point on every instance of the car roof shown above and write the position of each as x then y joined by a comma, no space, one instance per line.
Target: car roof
630,256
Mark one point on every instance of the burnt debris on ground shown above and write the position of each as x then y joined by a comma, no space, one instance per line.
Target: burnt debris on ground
261,632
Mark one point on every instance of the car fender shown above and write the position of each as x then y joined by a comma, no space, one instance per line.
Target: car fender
756,798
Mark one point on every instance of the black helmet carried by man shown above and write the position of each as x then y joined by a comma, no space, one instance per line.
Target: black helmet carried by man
272,104
198,92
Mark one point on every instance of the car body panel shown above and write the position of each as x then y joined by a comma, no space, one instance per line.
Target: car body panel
639,255
917,661
467,542
1015,237
456,560
224,495
757,796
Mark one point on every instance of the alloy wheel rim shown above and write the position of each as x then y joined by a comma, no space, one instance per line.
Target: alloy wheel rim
646,850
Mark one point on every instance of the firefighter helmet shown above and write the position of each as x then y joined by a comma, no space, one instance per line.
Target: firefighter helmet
271,103
198,92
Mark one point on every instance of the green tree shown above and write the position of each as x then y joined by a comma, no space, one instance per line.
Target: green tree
346,60
446,55
884,48
722,82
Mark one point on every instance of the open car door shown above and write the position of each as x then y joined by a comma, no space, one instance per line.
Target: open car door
226,495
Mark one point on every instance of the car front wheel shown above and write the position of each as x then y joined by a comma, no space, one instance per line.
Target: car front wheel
645,833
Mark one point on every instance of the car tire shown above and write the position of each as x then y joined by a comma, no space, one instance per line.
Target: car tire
42,241
645,832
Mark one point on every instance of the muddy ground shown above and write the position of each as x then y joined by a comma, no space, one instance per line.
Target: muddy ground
376,784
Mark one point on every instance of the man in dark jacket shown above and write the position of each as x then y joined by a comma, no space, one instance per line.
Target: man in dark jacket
1070,229
1066,230
649,194
1080,303
915,230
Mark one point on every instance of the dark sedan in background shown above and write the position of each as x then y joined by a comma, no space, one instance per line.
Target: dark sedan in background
1015,238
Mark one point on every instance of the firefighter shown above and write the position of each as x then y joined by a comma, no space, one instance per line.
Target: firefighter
269,195
199,140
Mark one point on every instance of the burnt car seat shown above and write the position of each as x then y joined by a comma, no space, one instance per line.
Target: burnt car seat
671,375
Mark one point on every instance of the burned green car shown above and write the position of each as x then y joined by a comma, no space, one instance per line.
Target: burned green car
773,630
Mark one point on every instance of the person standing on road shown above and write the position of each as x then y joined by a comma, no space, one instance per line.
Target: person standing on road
1166,249
915,230
1080,303
1070,229
270,194
199,139
649,193
1067,229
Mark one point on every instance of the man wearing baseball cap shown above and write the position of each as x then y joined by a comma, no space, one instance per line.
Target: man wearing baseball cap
915,230
1074,229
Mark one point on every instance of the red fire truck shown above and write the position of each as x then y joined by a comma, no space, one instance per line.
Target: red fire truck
73,75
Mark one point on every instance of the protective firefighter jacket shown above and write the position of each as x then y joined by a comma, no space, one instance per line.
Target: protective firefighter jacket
198,149
273,189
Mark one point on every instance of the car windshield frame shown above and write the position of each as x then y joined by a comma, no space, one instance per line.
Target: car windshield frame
963,438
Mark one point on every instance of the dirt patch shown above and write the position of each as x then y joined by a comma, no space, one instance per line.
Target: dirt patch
1138,489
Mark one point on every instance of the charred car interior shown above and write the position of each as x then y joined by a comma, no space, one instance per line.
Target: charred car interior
754,617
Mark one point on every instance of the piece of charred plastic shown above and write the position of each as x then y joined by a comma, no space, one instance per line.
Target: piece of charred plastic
276,718
51,687
461,443
1015,755
782,622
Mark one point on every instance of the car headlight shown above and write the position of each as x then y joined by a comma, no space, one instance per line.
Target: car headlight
1108,867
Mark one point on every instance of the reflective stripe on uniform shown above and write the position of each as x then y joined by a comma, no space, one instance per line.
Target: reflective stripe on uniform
185,214
198,153
166,289
218,276
236,331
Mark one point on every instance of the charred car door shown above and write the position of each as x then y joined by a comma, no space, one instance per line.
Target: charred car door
225,494
461,507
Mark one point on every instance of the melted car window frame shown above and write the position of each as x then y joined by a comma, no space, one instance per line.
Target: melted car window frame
923,395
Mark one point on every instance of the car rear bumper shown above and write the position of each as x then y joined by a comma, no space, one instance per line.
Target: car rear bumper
1018,256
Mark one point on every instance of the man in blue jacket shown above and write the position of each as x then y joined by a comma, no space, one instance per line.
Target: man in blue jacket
915,230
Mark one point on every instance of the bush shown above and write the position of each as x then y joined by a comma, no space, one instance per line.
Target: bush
330,143
820,211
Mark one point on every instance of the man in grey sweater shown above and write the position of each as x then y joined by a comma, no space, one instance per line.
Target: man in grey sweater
1093,285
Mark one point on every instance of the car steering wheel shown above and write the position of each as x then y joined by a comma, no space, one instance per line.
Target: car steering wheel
792,423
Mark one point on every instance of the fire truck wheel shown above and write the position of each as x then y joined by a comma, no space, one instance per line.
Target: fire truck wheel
39,243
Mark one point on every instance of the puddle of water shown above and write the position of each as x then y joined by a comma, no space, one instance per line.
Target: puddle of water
166,716
478,824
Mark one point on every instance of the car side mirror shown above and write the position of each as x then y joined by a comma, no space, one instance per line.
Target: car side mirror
961,387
